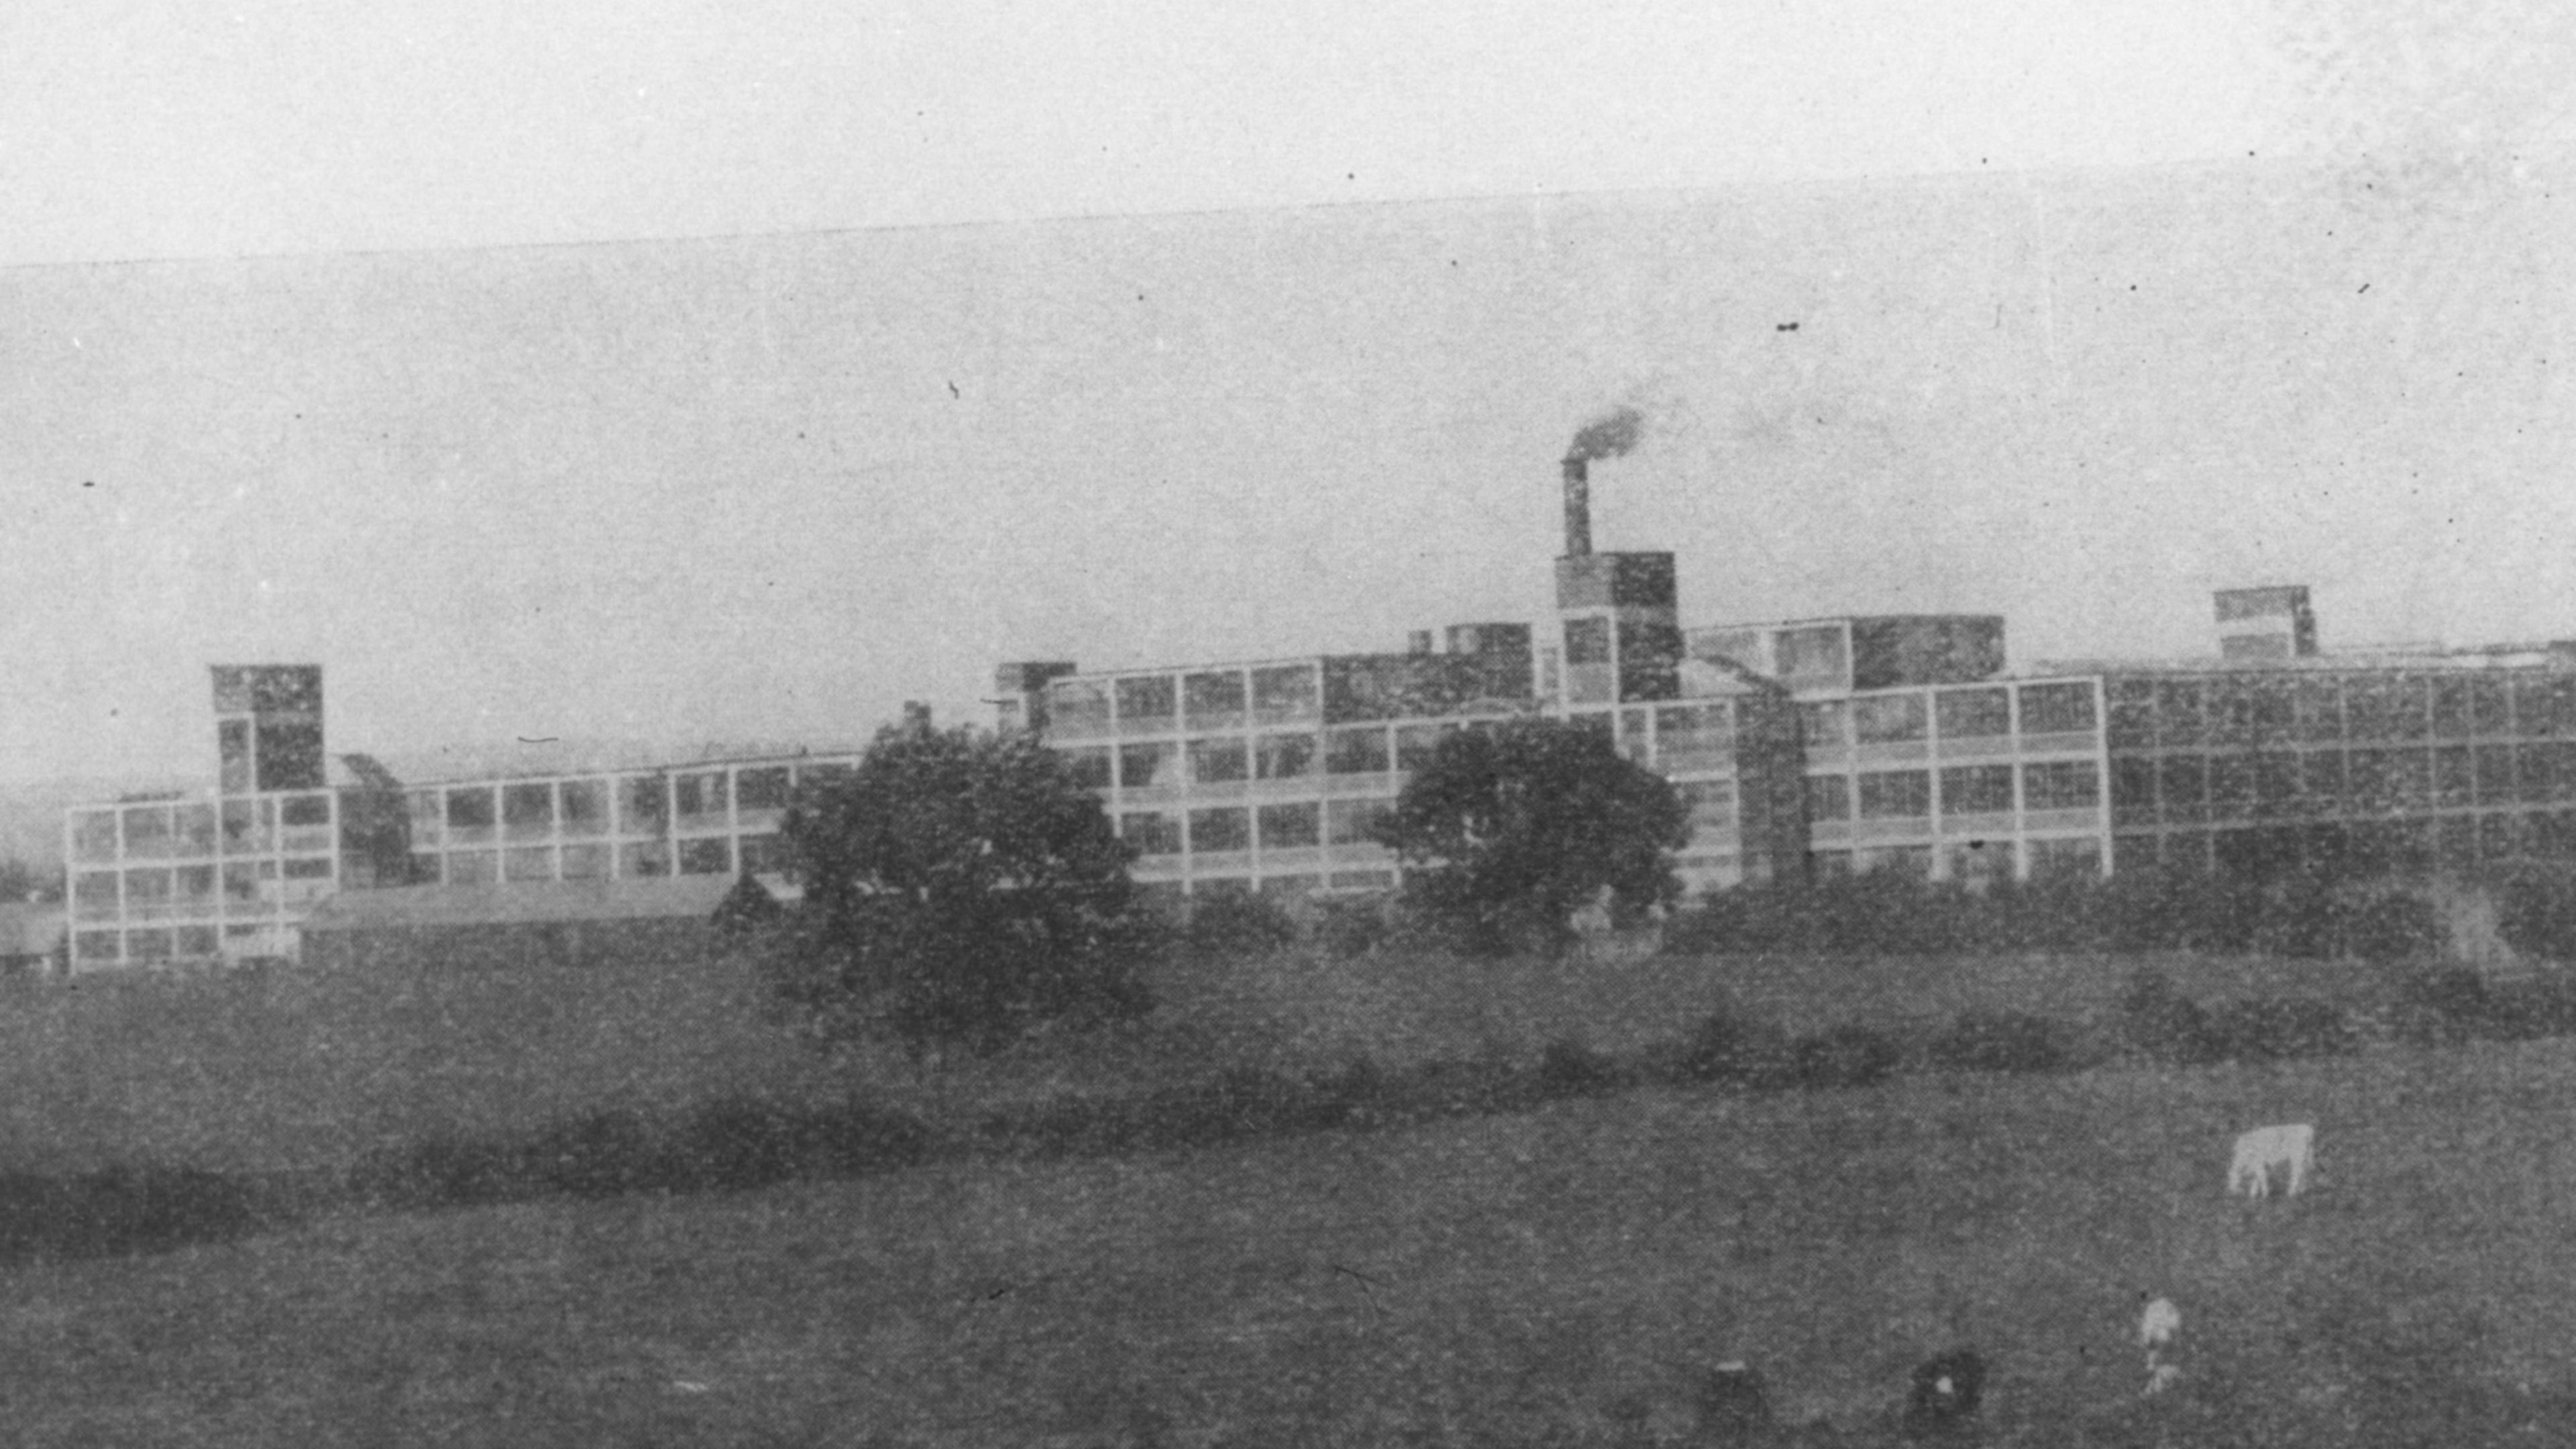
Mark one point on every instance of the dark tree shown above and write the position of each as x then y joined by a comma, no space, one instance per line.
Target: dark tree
960,888
1510,829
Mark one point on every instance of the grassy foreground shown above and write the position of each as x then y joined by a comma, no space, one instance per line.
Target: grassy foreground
269,1072
1555,1277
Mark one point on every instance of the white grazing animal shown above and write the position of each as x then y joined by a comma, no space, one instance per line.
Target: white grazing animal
2265,1148
2159,1323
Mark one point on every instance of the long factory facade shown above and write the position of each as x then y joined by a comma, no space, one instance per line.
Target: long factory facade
1802,748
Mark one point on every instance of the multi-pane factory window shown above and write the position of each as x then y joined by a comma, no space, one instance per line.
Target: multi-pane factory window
1634,741
1213,700
2451,709
586,862
1887,718
2540,776
585,807
643,858
2057,709
1355,750
1976,790
1289,827
527,811
472,816
2133,790
710,856
94,894
764,788
2178,713
761,854
2183,785
1711,804
1693,737
2370,789
1828,798
1219,761
1353,822
1286,694
1895,794
2545,705
2455,780
528,862
2061,785
643,806
2321,781
2495,775
1152,832
94,835
2231,787
701,797
474,867
1284,756
2230,704
2133,714
1088,765
2276,784
1078,708
2316,711
1221,830
1141,766
304,822
1973,713
147,832
1145,704
232,756
1587,640
1825,725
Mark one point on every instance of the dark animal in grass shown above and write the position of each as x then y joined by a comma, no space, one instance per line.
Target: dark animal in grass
1945,1393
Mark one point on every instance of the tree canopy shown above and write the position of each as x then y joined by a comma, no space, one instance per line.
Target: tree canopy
960,888
1510,828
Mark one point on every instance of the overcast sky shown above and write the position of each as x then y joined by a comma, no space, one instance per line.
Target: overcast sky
691,372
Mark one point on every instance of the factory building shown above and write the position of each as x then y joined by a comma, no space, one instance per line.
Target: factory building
1803,748
235,875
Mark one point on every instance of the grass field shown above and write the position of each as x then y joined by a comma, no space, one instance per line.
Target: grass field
1554,1277
273,1071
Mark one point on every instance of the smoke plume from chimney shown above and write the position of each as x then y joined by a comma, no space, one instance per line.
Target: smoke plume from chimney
1614,434
1610,435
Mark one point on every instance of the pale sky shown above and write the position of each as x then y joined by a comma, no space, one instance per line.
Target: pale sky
691,372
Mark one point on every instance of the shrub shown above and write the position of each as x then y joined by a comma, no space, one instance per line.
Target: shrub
2159,1022
1237,923
1571,1069
2273,1028
1348,926
2391,926
2007,1041
2534,1007
1845,1056
121,1210
1738,1052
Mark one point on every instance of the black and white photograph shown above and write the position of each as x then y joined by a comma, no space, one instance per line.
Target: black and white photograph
1142,724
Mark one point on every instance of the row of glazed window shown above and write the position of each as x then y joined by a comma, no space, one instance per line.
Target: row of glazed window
2062,711
623,860
297,824
235,888
2275,784
200,942
2319,707
1671,737
1084,707
2404,845
1302,824
1967,861
1963,790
